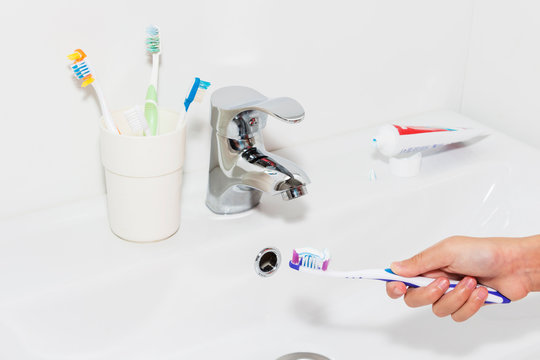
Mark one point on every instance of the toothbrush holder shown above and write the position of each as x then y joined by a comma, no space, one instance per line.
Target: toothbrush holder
143,176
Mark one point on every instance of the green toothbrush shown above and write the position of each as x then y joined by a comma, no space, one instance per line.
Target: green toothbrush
153,46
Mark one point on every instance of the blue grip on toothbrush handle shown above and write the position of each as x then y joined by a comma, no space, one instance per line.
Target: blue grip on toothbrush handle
492,292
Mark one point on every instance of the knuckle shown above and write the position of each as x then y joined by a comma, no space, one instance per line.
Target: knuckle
466,288
462,296
418,258
454,240
451,239
435,294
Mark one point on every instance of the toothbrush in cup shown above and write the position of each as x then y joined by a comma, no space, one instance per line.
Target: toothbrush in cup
196,93
153,47
136,121
81,70
315,262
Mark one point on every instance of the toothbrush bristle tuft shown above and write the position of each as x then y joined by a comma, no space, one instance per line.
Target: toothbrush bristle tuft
152,30
204,85
136,121
81,70
77,55
325,265
196,92
199,96
310,258
153,44
295,258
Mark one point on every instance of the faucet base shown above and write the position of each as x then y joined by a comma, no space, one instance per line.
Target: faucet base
236,199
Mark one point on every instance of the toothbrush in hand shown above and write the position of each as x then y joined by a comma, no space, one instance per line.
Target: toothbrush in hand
316,262
82,71
153,46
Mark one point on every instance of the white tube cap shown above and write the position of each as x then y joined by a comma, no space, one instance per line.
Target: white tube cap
406,166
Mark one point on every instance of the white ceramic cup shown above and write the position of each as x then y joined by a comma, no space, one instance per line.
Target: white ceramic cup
143,175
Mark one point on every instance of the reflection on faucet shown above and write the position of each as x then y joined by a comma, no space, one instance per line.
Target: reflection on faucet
240,168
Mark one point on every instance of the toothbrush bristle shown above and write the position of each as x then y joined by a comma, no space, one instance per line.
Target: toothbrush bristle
136,120
295,257
199,96
81,70
325,265
196,92
153,44
203,86
310,258
152,30
77,55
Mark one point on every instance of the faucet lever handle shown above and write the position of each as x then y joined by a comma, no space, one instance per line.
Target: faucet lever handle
229,102
283,108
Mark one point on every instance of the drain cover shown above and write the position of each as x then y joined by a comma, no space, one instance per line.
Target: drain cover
267,262
303,356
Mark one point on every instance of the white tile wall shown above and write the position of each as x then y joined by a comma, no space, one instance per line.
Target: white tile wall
350,63
502,87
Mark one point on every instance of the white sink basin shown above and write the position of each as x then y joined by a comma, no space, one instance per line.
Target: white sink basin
72,290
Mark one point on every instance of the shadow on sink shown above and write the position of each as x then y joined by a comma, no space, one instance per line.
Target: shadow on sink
291,211
421,330
499,324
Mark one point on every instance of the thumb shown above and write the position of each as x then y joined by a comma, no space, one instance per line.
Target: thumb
433,258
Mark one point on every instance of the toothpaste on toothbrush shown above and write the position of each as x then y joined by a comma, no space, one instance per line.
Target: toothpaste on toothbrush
393,140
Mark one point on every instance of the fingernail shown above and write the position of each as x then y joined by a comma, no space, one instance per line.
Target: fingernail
396,266
398,291
481,295
442,283
470,283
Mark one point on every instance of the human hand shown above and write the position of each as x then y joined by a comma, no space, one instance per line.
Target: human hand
509,265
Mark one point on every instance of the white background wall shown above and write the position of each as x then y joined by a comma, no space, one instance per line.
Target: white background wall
350,63
502,87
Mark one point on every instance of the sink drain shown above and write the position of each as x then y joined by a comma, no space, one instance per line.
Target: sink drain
267,262
303,356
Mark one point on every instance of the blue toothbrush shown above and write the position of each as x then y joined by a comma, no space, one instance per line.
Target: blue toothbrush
316,262
195,93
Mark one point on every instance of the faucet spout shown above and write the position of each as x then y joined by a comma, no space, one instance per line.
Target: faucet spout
275,175
292,189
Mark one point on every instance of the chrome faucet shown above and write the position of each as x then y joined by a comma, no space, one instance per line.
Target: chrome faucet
240,167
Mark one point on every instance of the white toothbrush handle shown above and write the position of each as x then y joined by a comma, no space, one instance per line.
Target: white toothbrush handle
181,118
154,82
109,123
155,71
387,275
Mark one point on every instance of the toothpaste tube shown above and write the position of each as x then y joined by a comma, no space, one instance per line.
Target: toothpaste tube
392,140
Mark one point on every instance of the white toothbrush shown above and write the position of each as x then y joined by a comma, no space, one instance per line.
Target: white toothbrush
136,121
315,262
81,70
